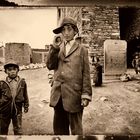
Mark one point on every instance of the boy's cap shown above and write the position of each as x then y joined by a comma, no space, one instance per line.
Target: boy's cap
63,23
11,63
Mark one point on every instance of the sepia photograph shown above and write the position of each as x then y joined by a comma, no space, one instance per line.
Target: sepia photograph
69,71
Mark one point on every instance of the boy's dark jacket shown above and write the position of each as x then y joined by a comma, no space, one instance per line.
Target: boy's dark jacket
6,99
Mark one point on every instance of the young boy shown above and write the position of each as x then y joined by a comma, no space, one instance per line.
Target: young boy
13,96
97,68
71,88
136,63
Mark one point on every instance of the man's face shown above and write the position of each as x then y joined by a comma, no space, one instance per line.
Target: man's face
12,71
68,32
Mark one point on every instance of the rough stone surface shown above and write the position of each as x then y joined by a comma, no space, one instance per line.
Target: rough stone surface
2,57
39,56
20,52
115,57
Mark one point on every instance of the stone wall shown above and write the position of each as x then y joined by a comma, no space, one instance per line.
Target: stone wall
20,52
96,24
2,57
39,55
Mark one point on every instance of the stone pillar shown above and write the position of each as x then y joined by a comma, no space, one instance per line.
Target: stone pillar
2,55
19,52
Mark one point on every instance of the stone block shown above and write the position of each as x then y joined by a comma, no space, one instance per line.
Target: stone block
115,62
20,52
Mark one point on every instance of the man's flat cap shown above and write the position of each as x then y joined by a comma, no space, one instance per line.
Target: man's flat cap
66,20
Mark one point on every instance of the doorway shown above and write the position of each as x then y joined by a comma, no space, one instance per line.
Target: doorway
129,18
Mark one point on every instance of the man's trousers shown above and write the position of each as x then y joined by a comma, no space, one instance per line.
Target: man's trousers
64,120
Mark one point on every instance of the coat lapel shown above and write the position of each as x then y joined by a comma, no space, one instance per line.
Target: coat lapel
62,52
19,85
73,49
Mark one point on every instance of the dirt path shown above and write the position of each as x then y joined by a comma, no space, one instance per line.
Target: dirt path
115,107
114,110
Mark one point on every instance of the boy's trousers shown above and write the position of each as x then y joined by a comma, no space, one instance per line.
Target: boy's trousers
63,120
5,120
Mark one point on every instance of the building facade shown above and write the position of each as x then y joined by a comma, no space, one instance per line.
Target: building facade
96,24
99,23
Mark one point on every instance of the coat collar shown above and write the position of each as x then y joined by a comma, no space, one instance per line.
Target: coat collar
70,42
18,83
8,79
74,47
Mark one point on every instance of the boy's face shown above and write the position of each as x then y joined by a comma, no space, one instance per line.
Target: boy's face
68,32
12,71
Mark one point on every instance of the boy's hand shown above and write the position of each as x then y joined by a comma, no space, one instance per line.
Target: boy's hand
57,41
84,102
26,110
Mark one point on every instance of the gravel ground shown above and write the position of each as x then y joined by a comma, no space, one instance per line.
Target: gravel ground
114,109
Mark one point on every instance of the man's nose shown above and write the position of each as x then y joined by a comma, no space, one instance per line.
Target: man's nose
66,32
12,71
